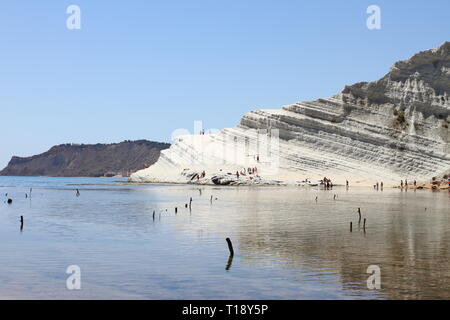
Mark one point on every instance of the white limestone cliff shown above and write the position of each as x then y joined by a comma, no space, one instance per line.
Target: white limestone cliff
394,128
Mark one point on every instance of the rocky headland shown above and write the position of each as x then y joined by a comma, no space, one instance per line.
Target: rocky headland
88,160
391,129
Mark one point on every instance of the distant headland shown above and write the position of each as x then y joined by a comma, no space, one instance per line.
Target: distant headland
88,160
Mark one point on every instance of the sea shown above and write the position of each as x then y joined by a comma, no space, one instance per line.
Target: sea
118,240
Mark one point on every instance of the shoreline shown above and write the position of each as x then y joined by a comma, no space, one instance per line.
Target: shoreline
339,186
128,181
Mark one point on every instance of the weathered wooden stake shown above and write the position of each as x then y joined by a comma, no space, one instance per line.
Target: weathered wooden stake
176,210
230,246
351,226
21,222
229,263
364,226
153,215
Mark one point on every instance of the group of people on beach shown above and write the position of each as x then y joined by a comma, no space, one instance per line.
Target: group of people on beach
201,175
327,183
246,171
377,185
406,183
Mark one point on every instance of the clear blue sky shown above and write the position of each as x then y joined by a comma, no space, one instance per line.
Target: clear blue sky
141,69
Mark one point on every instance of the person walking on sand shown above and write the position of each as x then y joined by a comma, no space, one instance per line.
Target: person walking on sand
237,174
381,184
401,184
78,193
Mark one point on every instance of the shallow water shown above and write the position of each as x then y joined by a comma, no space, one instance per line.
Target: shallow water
287,246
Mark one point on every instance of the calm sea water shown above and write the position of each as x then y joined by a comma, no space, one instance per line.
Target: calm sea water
287,246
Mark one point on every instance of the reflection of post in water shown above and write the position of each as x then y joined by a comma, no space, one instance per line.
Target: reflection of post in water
230,258
229,263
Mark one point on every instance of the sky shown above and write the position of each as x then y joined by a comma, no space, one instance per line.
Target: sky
143,69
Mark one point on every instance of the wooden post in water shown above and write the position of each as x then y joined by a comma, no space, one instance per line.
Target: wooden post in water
364,226
190,203
21,223
230,246
351,226
176,210
153,215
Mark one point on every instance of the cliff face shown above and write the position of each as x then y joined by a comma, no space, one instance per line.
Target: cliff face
391,129
70,160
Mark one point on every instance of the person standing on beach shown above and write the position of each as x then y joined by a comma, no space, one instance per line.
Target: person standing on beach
401,184
381,184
